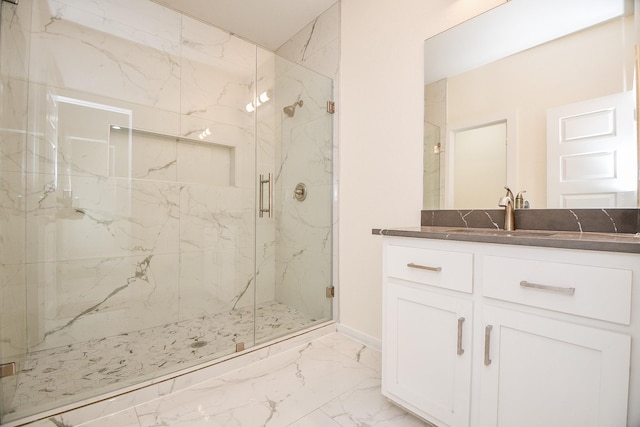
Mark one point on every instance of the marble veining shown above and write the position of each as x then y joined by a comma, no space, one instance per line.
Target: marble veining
109,233
330,382
577,220
54,376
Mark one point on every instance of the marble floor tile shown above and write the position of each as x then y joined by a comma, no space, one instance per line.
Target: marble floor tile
315,419
127,418
365,406
332,381
275,392
63,375
323,383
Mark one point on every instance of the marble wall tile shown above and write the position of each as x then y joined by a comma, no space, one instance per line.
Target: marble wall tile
215,217
265,260
206,163
218,71
12,218
15,34
56,138
137,155
13,296
303,229
303,276
307,153
13,124
102,49
317,46
211,280
91,299
76,217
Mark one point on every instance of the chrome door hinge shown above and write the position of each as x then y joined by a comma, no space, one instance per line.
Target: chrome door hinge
331,107
331,292
7,369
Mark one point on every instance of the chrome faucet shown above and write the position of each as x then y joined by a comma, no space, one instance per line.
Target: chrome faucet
507,203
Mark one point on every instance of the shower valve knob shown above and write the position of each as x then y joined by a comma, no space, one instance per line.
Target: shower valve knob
300,192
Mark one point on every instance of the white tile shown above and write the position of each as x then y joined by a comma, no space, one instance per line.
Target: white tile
77,217
142,156
279,390
365,405
218,71
315,419
127,418
80,48
353,349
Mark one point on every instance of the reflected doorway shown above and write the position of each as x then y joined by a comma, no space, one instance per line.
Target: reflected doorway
477,152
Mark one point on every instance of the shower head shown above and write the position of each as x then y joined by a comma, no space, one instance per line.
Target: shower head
291,109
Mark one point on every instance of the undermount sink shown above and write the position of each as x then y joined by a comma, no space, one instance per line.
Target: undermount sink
498,232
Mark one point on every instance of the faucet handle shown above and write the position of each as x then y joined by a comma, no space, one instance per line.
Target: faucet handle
509,192
521,203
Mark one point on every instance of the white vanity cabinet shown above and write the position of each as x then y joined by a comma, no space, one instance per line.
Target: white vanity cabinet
547,336
427,332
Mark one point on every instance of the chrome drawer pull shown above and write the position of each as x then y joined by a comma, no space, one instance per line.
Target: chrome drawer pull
460,349
559,289
487,345
424,267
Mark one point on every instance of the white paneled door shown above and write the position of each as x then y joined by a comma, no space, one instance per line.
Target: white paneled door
592,153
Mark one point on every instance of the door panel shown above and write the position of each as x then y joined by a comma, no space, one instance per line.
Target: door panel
592,153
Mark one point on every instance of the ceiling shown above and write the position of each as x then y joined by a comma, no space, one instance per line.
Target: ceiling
268,23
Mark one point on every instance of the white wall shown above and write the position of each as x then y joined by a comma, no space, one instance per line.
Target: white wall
381,119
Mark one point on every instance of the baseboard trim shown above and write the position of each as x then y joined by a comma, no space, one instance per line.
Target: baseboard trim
365,339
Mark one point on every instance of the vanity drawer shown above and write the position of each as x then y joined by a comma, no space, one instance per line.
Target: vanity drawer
450,270
591,291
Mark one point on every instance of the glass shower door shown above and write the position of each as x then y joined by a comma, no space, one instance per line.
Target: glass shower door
294,242
127,168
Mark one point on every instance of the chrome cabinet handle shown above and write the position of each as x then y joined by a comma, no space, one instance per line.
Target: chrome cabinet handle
487,345
558,289
262,210
460,349
424,267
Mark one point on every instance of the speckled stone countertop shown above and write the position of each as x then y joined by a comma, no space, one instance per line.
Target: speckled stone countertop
614,230
609,242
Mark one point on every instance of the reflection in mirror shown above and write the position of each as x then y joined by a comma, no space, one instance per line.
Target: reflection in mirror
569,95
478,151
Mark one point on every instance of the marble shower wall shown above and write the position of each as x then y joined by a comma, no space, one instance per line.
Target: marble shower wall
109,230
305,154
317,46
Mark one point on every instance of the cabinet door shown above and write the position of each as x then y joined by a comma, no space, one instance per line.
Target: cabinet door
545,372
427,353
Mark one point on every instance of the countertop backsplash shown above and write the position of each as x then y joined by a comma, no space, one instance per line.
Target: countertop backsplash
577,220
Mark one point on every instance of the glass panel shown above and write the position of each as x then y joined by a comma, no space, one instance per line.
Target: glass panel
127,210
14,49
132,140
294,251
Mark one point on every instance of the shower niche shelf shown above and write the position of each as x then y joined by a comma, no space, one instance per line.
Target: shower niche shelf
145,154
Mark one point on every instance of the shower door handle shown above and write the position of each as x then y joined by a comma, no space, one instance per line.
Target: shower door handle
269,209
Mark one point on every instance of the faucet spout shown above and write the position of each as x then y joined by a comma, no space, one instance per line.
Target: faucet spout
507,203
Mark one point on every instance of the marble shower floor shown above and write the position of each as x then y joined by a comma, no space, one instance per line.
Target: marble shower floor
63,375
330,382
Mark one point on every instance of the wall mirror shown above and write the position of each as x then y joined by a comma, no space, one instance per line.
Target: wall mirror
555,82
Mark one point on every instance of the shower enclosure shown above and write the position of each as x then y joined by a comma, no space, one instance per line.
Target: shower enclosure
166,198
